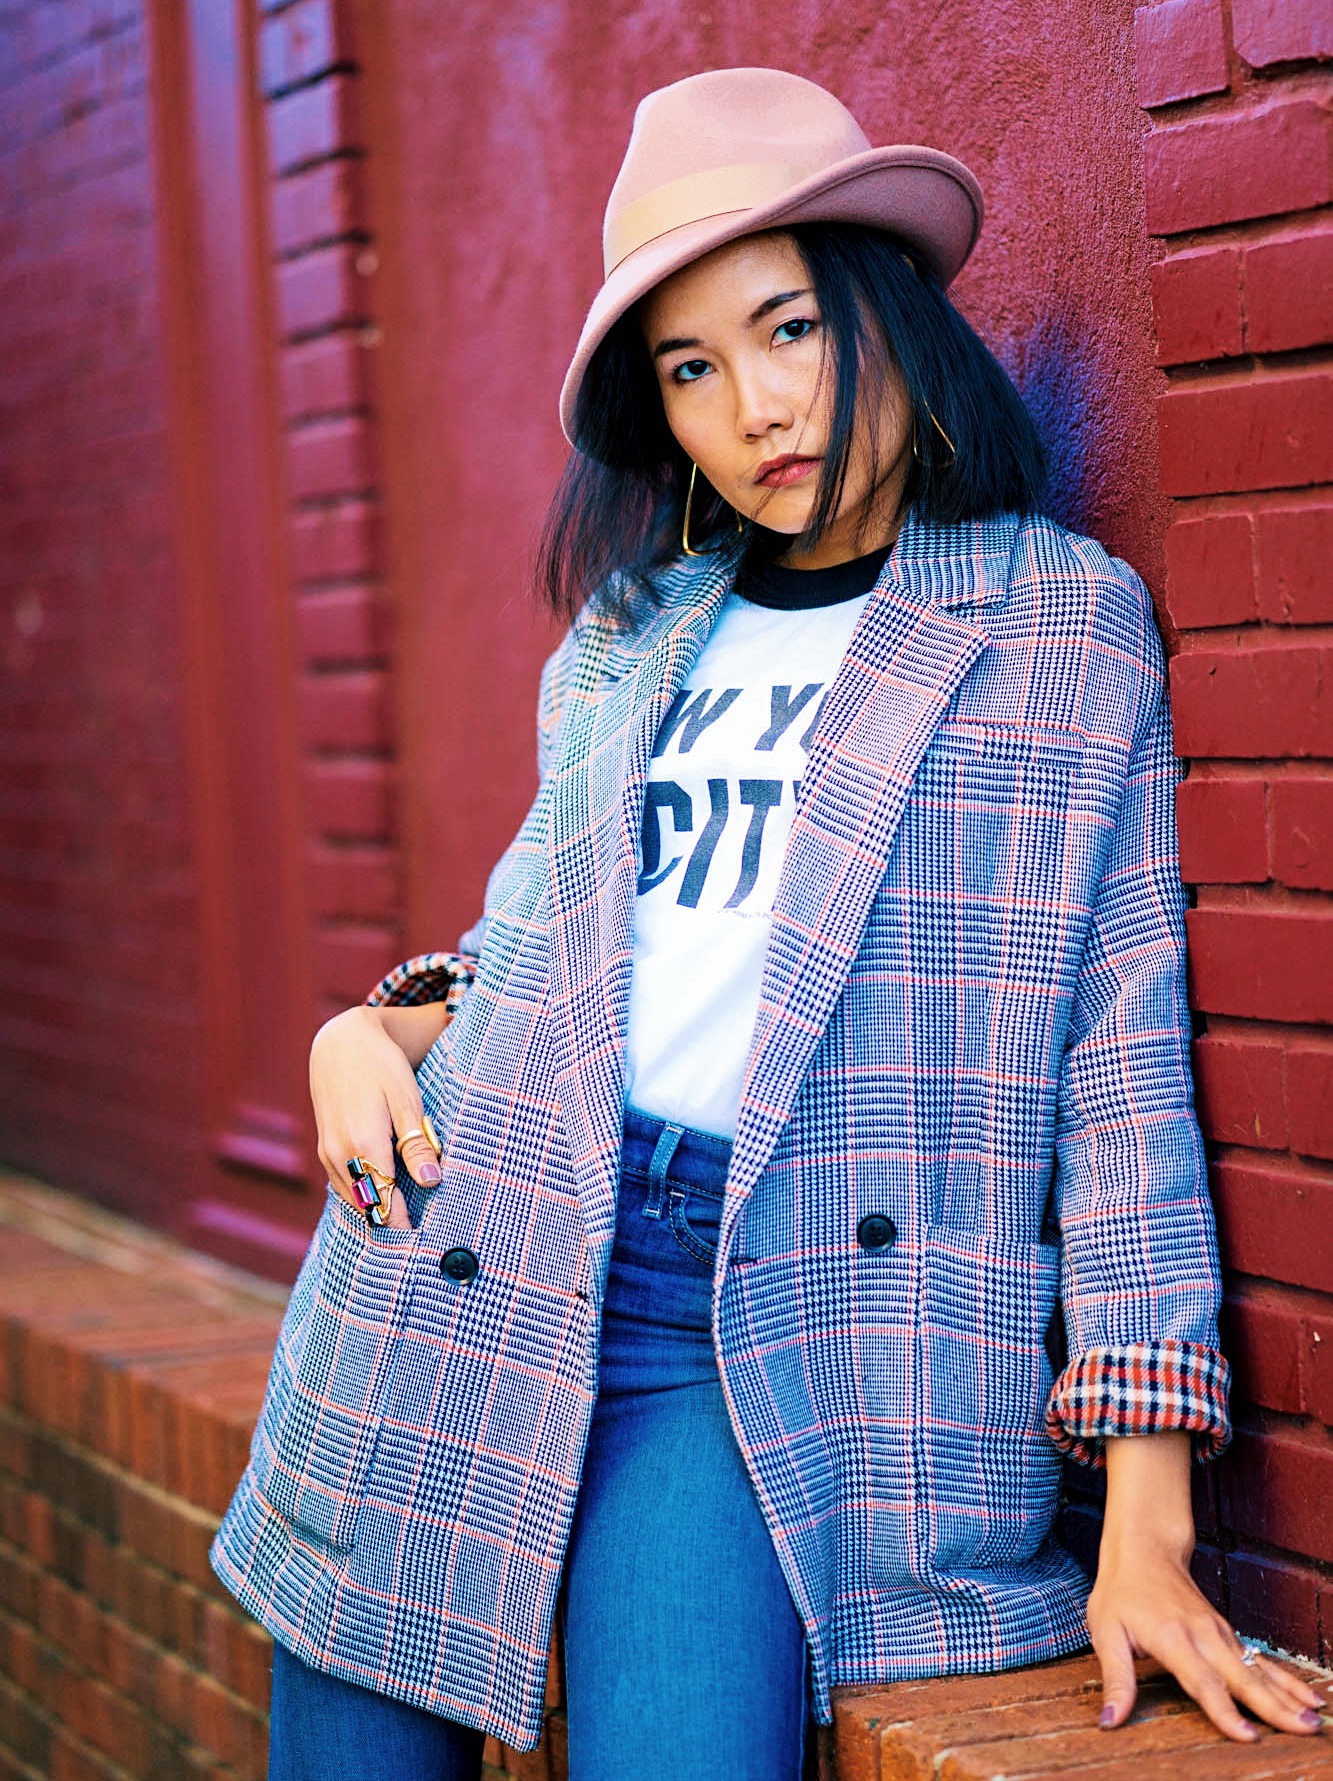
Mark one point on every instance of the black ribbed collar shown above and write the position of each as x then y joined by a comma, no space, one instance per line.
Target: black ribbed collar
800,590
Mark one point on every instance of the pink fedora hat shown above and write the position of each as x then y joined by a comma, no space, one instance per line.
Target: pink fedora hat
725,154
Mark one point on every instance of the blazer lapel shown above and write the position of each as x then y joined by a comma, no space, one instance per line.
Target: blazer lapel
597,803
916,639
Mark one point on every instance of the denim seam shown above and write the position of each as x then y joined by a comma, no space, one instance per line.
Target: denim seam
680,1228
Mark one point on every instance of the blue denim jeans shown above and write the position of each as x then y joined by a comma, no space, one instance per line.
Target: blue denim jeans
684,1657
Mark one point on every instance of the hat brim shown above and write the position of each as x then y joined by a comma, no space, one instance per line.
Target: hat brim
922,195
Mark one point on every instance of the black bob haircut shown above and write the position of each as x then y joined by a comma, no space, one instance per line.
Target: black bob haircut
620,504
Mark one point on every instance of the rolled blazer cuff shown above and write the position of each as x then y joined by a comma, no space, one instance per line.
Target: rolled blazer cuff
1144,1388
429,977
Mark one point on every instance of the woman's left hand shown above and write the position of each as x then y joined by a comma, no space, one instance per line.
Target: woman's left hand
1145,1603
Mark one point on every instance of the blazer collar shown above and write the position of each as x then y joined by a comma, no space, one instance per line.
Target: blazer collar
597,791
692,592
968,564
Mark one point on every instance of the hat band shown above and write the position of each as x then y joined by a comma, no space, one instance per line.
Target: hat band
694,200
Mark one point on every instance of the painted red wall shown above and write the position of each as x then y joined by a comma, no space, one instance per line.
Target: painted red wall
496,141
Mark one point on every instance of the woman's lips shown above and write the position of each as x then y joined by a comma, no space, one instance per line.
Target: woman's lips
782,472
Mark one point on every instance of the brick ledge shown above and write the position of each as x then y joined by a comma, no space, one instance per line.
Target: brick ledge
1041,1723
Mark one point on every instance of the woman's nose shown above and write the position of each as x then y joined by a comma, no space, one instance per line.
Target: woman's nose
761,404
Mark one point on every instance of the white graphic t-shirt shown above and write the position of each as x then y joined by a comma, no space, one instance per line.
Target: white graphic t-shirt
726,769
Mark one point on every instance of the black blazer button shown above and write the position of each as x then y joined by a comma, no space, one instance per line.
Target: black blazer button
460,1265
875,1231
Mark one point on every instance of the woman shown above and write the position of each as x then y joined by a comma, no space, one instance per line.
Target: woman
827,1014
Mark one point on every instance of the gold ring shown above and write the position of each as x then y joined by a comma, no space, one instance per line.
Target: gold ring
426,1131
382,1181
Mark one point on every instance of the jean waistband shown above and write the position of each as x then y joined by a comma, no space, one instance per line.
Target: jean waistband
674,1153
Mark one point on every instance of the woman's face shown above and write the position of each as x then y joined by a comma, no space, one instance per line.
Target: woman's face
738,348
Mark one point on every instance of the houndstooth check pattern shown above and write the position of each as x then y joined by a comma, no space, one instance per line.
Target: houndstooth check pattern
972,1021
429,977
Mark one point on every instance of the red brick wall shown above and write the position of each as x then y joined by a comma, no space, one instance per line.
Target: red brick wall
325,259
1239,180
98,977
130,1059
131,1373
128,1379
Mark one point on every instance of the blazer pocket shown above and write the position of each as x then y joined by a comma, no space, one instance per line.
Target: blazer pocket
984,1378
1023,744
320,1421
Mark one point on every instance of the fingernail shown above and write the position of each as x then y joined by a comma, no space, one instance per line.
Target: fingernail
1311,1718
1108,1718
430,1175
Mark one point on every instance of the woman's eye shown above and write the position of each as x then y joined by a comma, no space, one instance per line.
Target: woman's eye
796,329
690,372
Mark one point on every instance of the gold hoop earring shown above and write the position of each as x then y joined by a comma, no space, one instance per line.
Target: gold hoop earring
934,421
689,503
685,528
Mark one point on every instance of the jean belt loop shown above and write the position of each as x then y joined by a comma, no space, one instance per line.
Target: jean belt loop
665,1149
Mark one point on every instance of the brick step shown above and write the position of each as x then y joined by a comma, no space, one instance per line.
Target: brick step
131,1372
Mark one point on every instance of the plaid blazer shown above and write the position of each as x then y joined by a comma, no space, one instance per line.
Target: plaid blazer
972,1021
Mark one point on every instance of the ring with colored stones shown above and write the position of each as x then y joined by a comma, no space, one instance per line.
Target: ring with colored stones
373,1189
362,1185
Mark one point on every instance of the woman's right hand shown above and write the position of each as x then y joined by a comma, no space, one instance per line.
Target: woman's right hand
365,1095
